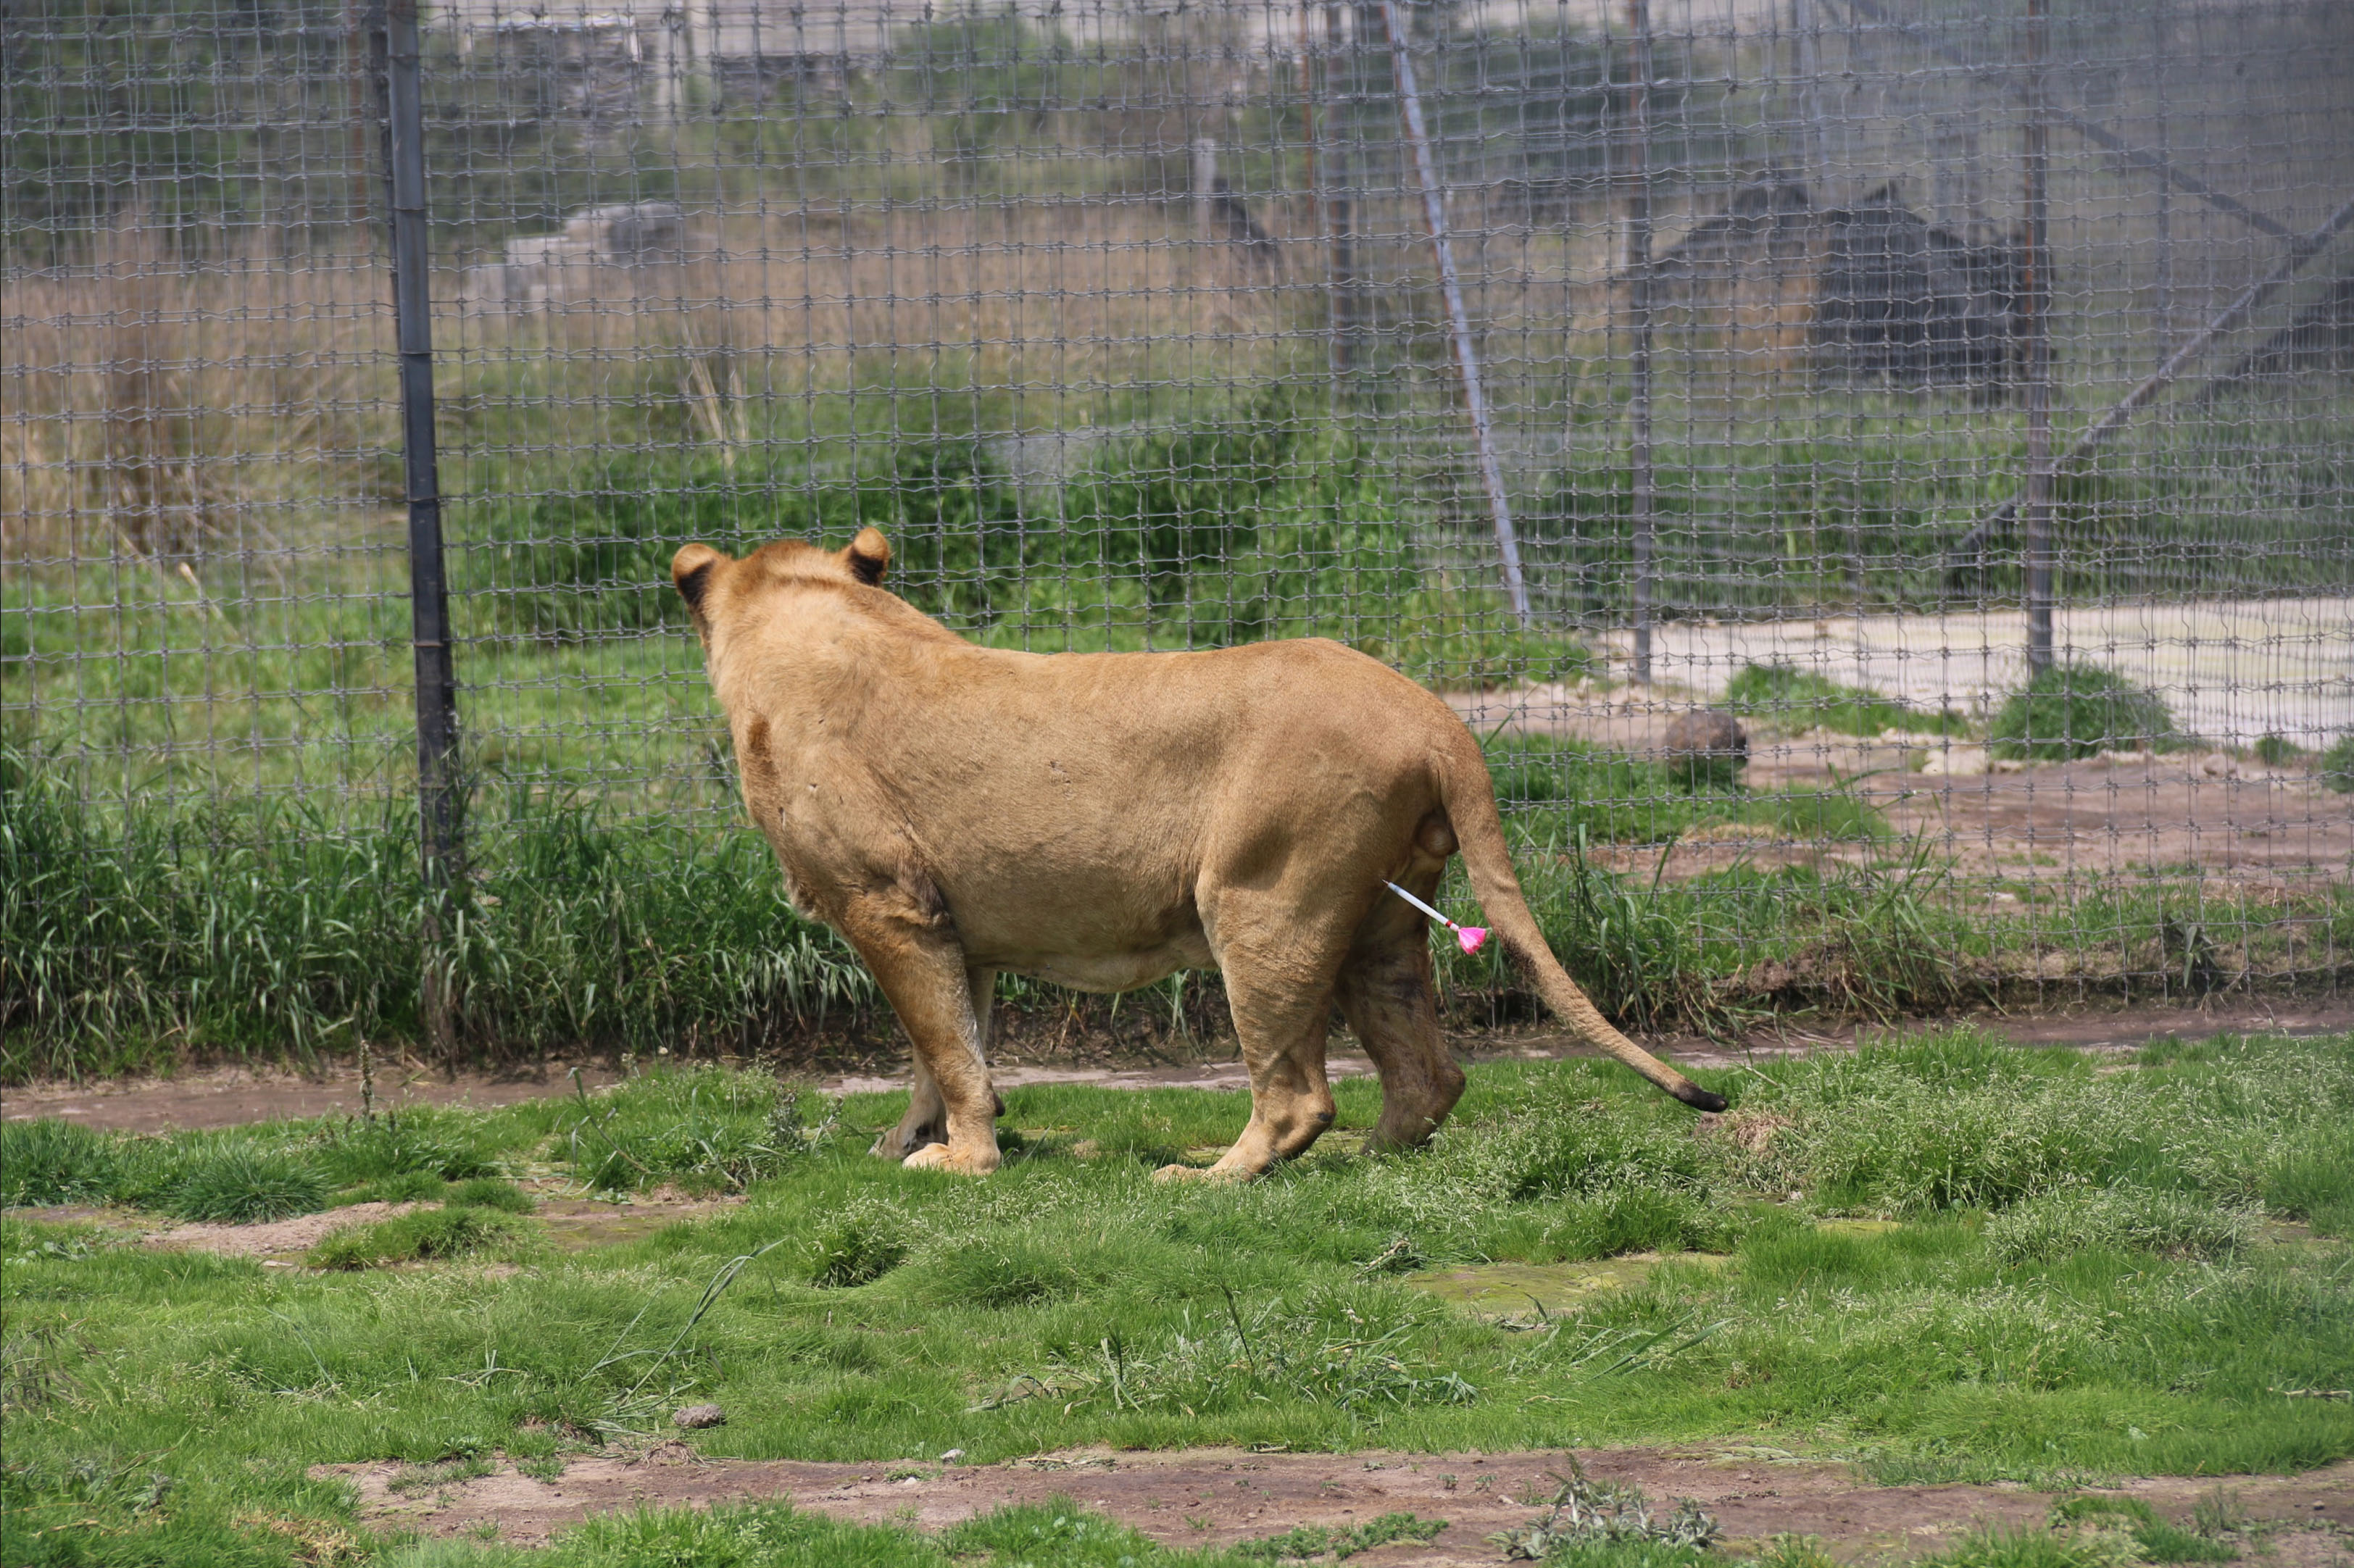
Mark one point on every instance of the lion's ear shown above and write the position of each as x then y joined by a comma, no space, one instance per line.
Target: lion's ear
868,556
692,569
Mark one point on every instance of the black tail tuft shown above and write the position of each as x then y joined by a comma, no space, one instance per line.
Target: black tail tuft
1700,1099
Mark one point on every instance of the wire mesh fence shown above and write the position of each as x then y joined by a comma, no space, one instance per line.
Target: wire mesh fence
1949,399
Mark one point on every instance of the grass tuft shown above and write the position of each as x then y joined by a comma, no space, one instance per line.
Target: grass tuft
2074,710
2154,1540
1307,1540
2033,1549
2312,1179
704,1128
47,1161
240,1185
419,1141
858,1246
423,1235
2126,1219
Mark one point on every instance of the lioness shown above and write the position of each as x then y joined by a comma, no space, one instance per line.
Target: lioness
1105,819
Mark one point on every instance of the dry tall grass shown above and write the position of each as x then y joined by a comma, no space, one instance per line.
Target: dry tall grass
163,410
152,407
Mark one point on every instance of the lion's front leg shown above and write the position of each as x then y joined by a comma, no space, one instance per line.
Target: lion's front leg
927,1121
922,974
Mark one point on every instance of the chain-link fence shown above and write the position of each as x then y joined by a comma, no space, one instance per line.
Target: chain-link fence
1956,395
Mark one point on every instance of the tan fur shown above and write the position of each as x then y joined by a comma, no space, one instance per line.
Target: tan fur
1104,821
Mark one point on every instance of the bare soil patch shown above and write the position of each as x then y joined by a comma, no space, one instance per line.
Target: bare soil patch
234,1095
571,1224
1214,1496
280,1239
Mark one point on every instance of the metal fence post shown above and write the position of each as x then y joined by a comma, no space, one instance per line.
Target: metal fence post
1458,320
1641,482
2036,507
438,793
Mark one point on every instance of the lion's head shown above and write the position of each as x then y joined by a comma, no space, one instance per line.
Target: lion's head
715,583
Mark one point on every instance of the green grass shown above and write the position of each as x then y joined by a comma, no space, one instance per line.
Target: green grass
255,933
241,1185
2074,710
1552,791
1071,1299
1804,700
423,1234
701,1128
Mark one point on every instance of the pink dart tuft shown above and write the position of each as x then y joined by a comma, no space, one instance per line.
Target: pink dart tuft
1470,936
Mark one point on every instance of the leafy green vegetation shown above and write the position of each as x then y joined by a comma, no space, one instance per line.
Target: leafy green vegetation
2005,1327
2337,765
2277,751
1804,700
1228,530
2074,710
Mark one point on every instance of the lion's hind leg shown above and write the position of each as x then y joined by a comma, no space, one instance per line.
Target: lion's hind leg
1281,993
1386,994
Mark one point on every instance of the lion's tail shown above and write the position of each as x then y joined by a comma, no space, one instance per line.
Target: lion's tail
1470,800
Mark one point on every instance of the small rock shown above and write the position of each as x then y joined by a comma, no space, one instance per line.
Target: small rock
2217,764
2010,764
1706,745
1958,762
1706,732
695,1415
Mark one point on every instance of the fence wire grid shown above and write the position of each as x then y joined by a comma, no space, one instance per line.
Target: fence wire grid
1878,476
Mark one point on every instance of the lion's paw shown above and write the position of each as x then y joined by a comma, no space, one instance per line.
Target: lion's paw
939,1157
1199,1173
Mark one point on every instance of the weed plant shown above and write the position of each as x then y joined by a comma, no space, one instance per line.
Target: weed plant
487,1193
2067,711
2007,1328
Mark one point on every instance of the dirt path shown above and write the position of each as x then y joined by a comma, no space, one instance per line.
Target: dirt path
1214,1496
230,1096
